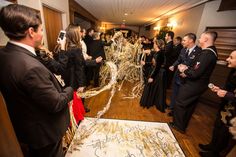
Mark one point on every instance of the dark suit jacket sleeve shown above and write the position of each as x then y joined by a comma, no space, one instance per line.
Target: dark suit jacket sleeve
90,63
58,66
230,97
205,61
178,61
169,49
106,44
41,89
79,68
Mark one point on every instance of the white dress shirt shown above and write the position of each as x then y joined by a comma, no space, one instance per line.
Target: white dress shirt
84,50
191,49
27,47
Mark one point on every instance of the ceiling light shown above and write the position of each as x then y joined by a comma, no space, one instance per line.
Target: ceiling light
124,20
126,14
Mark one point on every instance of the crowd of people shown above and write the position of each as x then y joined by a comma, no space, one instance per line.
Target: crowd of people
38,103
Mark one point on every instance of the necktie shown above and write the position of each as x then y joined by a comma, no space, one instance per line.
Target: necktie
186,54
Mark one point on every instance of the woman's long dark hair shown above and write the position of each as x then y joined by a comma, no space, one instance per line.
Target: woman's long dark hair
73,38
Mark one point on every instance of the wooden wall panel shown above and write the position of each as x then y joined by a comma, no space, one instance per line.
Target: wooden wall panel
74,7
226,41
53,25
9,145
13,1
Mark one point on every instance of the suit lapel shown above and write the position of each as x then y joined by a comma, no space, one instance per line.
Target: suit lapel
18,49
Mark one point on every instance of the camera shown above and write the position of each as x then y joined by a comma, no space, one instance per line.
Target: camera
61,35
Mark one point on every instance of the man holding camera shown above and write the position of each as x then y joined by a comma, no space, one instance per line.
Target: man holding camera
37,105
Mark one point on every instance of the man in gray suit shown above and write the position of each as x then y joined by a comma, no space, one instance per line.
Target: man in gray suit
37,104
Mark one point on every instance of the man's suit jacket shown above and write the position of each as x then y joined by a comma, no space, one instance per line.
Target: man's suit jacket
186,59
177,49
199,74
37,105
170,54
97,49
88,41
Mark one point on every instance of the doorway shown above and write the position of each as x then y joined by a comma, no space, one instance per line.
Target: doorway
53,25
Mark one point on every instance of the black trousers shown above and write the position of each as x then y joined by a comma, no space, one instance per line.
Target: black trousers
175,90
186,102
96,71
220,135
52,150
169,78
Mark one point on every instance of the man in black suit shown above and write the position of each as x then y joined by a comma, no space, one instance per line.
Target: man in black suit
88,39
97,50
170,56
37,105
186,57
196,81
177,46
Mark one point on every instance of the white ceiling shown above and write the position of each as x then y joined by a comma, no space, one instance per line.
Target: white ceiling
140,12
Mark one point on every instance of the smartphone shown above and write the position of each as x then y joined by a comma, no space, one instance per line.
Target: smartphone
61,35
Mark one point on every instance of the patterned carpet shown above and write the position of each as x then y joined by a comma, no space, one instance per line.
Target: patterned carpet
123,138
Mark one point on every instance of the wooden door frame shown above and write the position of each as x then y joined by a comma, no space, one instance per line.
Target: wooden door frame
63,17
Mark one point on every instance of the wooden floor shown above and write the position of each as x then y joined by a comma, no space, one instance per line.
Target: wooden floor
198,131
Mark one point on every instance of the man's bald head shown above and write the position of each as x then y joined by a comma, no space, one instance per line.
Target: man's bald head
212,35
207,39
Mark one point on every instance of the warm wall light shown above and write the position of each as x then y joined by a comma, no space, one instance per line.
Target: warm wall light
156,28
172,24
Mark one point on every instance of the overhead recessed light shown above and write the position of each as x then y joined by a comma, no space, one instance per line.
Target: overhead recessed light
126,14
124,20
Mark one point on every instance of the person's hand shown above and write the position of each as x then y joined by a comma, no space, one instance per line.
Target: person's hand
154,39
233,121
49,54
62,43
182,75
147,51
88,57
232,129
171,68
215,88
221,93
182,67
150,80
80,89
98,59
142,63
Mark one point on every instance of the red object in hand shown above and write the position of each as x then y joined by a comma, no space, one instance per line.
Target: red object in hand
78,108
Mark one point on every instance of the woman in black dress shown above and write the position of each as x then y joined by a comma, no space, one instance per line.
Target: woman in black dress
151,93
146,62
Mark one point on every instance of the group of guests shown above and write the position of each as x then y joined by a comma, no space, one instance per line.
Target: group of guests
36,101
38,104
191,66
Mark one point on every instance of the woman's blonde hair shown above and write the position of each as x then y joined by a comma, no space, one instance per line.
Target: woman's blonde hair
160,43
